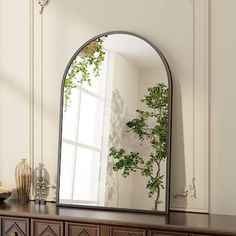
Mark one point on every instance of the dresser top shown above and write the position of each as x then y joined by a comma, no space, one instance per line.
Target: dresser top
194,222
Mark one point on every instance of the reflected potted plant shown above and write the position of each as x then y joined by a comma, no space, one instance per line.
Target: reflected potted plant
150,126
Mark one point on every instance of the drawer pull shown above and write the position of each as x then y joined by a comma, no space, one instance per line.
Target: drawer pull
14,234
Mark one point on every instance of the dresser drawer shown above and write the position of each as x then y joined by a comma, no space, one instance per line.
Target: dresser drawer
75,229
11,226
120,231
165,233
46,228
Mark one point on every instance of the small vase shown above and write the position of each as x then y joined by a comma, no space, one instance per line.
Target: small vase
23,181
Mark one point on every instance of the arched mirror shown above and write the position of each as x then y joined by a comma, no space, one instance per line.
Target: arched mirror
115,129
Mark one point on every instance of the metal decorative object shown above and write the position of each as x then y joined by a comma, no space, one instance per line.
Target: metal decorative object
189,191
23,181
41,184
42,4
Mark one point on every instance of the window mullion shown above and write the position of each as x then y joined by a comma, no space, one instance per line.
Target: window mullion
76,147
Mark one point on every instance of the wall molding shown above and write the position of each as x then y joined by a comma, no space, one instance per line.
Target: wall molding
194,196
42,4
40,85
31,89
189,191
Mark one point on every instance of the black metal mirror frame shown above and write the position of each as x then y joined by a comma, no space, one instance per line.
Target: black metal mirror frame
170,93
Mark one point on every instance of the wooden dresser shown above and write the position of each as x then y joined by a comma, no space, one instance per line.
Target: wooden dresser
49,220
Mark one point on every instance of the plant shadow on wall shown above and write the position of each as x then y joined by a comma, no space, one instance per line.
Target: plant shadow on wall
118,137
150,125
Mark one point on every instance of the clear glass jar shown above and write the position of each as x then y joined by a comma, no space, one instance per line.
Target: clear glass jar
40,184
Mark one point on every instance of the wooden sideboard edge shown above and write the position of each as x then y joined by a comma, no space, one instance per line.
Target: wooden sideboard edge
74,219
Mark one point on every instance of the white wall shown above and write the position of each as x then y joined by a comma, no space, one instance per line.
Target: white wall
223,100
14,87
169,25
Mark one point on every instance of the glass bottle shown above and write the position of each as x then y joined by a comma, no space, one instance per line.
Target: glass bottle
40,184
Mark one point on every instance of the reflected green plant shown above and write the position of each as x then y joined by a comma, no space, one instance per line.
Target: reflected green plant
91,57
156,102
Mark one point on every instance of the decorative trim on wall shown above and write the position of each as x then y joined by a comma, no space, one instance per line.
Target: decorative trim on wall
191,186
39,92
189,191
195,196
42,4
42,88
31,87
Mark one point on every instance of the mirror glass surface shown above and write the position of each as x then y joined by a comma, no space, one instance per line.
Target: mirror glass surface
114,142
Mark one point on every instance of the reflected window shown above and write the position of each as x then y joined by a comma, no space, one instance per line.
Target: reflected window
84,135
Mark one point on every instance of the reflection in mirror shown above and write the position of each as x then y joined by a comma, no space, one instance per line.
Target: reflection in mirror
115,126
